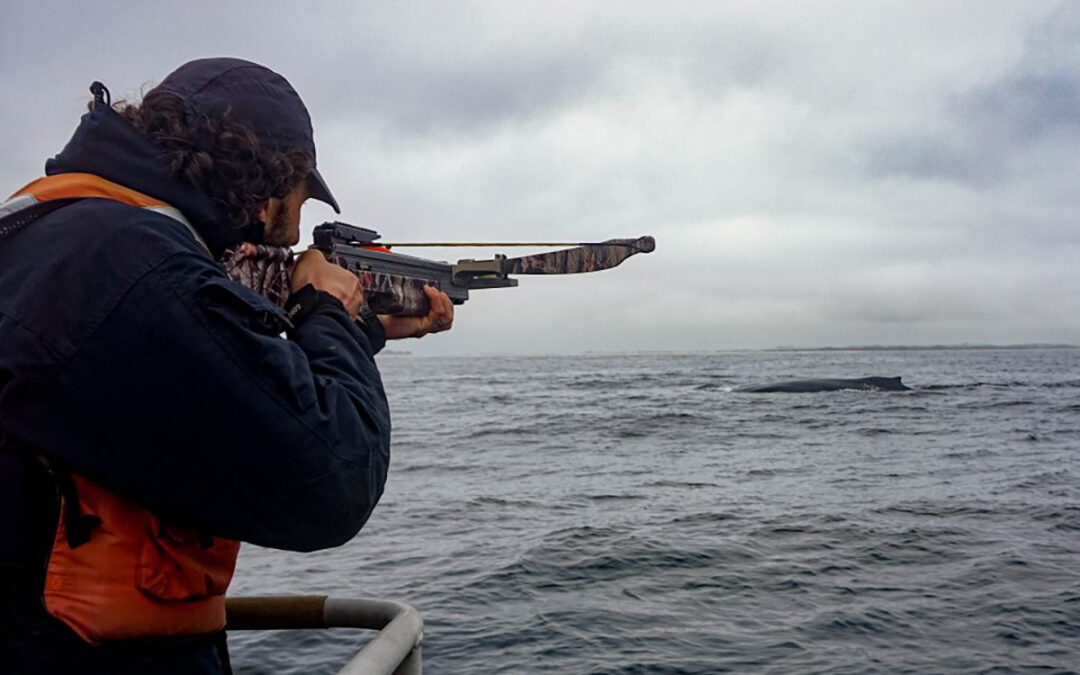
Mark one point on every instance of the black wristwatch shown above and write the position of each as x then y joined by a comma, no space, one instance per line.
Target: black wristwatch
365,315
369,322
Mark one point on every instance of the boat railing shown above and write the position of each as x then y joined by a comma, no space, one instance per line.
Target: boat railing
394,651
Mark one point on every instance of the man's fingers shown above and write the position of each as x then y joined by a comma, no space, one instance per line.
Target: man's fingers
446,307
355,297
313,268
441,316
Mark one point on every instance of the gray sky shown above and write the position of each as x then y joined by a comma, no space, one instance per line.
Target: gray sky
815,173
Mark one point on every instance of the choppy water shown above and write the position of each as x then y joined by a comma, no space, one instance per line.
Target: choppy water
631,514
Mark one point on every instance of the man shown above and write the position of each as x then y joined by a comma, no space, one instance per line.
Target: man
152,416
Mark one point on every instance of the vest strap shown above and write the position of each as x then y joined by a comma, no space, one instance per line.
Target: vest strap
18,218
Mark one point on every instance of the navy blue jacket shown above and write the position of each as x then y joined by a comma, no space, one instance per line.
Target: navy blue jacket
127,354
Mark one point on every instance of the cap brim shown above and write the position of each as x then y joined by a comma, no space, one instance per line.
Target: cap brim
317,189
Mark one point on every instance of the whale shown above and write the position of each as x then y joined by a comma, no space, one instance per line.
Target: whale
828,384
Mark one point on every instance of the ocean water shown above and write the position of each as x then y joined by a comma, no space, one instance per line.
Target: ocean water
630,513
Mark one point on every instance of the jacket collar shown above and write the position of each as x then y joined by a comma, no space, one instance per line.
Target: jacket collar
74,186
107,145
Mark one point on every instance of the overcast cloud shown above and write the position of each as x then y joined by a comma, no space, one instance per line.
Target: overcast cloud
827,173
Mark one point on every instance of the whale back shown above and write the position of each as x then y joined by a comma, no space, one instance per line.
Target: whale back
828,384
886,383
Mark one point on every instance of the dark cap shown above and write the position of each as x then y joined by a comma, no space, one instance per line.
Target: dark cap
255,96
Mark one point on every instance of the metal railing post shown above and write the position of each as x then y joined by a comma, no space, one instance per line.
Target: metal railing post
394,651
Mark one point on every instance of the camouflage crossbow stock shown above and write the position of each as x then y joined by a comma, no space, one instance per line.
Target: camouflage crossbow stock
393,283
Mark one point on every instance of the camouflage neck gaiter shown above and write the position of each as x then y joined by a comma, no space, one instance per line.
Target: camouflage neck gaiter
264,269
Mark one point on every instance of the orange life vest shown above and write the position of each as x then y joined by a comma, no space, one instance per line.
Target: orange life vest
116,571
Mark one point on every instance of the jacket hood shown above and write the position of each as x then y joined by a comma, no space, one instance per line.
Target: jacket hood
107,145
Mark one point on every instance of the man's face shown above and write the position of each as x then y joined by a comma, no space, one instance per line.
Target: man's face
282,217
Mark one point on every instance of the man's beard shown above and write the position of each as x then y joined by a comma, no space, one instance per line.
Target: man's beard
276,232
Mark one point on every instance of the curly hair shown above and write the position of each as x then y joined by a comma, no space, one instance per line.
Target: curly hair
221,157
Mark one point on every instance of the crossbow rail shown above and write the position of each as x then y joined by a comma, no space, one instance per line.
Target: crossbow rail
394,651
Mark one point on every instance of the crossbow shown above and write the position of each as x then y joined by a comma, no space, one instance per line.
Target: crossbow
393,283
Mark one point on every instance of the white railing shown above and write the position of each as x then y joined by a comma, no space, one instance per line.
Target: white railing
394,651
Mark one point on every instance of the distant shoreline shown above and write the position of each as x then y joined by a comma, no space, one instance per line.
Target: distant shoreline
735,350
900,348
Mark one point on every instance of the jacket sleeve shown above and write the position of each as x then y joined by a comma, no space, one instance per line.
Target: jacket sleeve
188,399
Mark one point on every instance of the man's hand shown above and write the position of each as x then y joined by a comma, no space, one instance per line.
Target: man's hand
313,268
440,318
